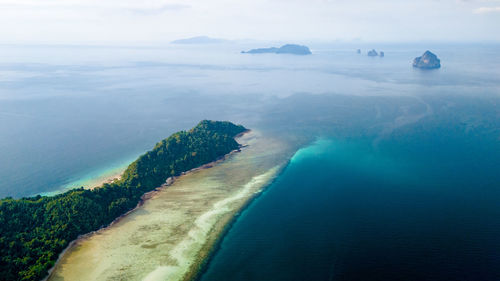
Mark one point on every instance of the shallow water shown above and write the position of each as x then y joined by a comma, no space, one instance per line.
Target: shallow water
420,204
167,235
398,178
69,113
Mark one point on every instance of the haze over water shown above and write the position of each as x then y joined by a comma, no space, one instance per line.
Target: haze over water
397,178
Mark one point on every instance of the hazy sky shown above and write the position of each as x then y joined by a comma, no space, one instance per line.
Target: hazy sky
158,21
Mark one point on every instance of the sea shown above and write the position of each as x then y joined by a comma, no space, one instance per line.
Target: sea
396,170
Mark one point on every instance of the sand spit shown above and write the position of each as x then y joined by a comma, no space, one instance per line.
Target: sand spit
198,235
146,196
169,235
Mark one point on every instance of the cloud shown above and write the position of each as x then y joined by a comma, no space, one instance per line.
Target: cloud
152,8
487,10
152,21
158,10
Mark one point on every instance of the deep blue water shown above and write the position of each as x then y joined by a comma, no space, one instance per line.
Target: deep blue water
397,176
344,210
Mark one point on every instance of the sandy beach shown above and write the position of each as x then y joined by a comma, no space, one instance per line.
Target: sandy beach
99,181
170,235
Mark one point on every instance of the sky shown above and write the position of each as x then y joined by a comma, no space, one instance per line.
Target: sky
160,21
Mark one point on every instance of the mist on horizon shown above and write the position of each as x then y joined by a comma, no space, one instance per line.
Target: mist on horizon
161,21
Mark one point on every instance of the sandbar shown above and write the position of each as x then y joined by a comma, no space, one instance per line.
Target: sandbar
172,232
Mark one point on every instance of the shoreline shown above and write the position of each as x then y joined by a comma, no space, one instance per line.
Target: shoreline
144,198
201,266
116,175
220,228
98,182
90,182
183,222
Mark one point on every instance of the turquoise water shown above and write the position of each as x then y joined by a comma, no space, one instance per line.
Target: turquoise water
70,113
396,175
422,206
94,176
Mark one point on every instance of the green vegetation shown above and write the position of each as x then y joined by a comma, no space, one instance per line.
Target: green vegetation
35,230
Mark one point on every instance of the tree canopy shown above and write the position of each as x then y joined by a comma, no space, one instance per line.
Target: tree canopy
34,231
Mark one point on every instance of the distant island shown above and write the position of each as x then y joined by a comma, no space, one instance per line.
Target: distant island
285,49
199,40
372,53
427,61
35,230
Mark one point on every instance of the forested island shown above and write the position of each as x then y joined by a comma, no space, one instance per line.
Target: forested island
34,231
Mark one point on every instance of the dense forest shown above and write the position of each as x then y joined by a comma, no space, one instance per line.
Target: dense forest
33,231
